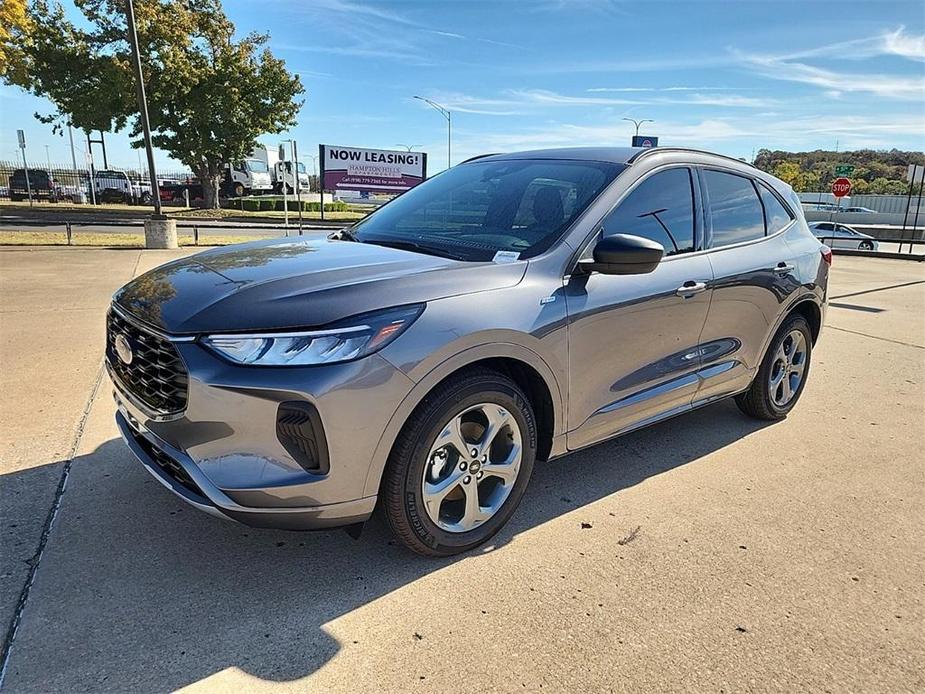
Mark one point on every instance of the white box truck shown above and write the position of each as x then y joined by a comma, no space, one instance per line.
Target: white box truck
281,171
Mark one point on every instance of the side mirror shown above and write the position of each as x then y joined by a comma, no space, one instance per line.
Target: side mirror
623,254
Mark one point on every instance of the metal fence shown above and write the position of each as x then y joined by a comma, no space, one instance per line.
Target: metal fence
42,184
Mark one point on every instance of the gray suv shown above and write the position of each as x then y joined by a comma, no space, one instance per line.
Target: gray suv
514,308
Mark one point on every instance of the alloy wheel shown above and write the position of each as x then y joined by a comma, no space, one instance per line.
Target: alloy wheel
788,369
472,467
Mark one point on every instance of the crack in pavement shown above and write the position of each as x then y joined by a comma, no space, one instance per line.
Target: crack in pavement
876,337
52,515
878,289
46,530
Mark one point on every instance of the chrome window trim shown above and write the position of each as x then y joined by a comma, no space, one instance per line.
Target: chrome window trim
695,170
596,228
141,325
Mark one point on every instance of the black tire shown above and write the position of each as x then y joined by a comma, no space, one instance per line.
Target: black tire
401,497
239,190
757,401
865,246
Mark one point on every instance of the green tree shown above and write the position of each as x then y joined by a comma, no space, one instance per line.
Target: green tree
15,28
210,95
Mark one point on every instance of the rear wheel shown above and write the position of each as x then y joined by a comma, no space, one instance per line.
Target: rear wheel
866,246
783,372
460,465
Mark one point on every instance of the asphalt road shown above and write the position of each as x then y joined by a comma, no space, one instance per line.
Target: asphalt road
709,553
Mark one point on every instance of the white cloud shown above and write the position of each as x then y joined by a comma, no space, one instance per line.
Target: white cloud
545,97
797,66
718,134
883,85
908,46
466,103
661,89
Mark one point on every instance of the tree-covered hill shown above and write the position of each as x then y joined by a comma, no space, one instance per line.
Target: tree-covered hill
875,171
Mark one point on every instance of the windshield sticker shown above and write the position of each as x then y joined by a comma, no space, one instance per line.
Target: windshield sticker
506,257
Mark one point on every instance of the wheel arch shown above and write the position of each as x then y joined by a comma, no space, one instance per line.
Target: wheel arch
522,365
810,310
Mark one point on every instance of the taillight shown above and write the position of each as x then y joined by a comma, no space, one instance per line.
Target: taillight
826,254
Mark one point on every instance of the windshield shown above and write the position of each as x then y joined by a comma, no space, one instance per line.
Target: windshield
301,167
472,211
256,166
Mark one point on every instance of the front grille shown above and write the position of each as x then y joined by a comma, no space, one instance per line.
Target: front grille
155,375
169,466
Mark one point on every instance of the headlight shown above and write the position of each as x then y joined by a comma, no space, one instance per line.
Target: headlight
349,339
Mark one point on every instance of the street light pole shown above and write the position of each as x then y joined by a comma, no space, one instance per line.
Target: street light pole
637,123
142,104
445,112
408,148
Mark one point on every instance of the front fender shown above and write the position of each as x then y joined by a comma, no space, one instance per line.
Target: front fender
444,369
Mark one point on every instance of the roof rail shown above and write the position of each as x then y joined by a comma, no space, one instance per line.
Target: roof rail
480,156
645,152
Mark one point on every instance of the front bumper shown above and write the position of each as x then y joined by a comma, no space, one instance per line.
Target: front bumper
176,471
223,453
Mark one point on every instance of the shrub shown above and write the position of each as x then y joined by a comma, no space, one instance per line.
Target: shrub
250,205
267,205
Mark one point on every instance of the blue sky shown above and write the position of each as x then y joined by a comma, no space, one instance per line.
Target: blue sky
729,76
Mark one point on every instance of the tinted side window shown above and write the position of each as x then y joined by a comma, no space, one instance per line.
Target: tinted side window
661,208
734,206
776,216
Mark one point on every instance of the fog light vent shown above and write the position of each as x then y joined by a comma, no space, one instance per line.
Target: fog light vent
299,429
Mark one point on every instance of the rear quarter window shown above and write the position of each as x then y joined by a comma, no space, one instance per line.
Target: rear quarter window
735,210
776,215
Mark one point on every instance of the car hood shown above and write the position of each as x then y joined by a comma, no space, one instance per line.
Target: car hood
297,283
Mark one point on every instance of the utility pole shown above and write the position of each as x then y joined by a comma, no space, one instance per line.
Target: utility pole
160,232
70,134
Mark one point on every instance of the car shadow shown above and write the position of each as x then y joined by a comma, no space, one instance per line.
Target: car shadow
137,591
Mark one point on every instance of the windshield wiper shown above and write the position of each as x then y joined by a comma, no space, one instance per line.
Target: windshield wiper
345,234
416,247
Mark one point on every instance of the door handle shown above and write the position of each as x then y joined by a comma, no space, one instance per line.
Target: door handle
783,269
689,288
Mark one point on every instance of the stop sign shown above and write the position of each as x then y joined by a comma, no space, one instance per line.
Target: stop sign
841,187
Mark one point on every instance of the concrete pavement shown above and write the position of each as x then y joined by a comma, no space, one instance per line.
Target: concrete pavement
719,553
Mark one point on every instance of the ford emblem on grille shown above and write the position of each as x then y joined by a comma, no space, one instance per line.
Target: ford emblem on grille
124,349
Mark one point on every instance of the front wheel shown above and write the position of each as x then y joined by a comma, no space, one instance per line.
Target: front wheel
783,372
460,465
866,246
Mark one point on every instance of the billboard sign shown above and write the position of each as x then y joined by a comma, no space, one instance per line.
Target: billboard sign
370,170
646,141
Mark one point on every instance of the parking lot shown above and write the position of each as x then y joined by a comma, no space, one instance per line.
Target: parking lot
711,552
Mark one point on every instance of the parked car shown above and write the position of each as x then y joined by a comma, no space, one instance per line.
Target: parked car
819,206
860,210
114,185
514,308
177,190
43,184
843,236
